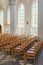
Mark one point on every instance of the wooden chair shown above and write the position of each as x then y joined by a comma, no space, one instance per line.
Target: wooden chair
7,43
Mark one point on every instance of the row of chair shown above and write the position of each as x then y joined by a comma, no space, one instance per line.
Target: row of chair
7,41
20,49
20,45
14,42
32,53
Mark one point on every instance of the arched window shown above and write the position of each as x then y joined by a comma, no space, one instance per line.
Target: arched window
34,22
7,30
8,15
1,17
21,20
21,15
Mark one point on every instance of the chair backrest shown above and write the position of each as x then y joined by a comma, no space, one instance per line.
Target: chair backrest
38,46
27,43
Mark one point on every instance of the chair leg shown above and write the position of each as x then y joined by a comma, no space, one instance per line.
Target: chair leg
20,56
24,60
2,50
36,56
34,59
12,53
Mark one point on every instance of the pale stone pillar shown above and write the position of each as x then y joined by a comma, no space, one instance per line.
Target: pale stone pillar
12,16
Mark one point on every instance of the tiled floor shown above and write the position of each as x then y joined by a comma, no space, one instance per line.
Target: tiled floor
7,60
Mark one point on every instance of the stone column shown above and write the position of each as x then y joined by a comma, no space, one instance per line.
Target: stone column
12,16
